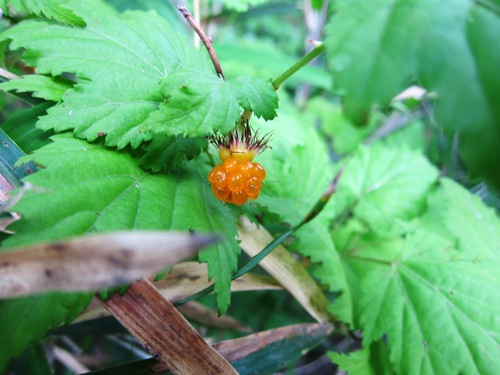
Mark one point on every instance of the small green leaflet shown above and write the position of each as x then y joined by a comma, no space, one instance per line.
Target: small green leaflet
378,48
95,189
372,360
257,95
49,88
52,9
356,363
207,102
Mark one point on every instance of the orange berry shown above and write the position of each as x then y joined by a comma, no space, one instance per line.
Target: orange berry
218,176
220,193
239,197
229,164
252,188
236,182
259,171
245,168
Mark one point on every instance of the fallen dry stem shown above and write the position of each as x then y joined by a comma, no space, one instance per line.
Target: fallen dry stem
164,332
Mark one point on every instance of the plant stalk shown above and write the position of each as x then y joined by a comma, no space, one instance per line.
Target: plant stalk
318,50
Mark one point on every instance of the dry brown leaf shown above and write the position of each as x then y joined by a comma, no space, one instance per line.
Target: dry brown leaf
188,278
94,262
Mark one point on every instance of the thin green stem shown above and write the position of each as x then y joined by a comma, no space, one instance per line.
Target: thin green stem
298,65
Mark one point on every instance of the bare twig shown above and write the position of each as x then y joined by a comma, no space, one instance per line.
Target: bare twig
204,38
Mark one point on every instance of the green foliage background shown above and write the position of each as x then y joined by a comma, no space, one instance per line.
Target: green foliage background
407,255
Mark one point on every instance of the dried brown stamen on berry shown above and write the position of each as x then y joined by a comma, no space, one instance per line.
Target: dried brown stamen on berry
243,143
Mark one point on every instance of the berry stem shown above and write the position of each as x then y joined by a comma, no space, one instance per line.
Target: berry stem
204,38
318,50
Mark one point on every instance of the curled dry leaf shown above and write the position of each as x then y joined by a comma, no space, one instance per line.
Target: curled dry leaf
188,278
96,262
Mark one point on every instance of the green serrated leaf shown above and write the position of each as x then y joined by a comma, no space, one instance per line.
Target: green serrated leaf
463,219
197,103
257,95
436,307
384,187
58,10
49,88
138,50
102,191
356,363
365,361
379,48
